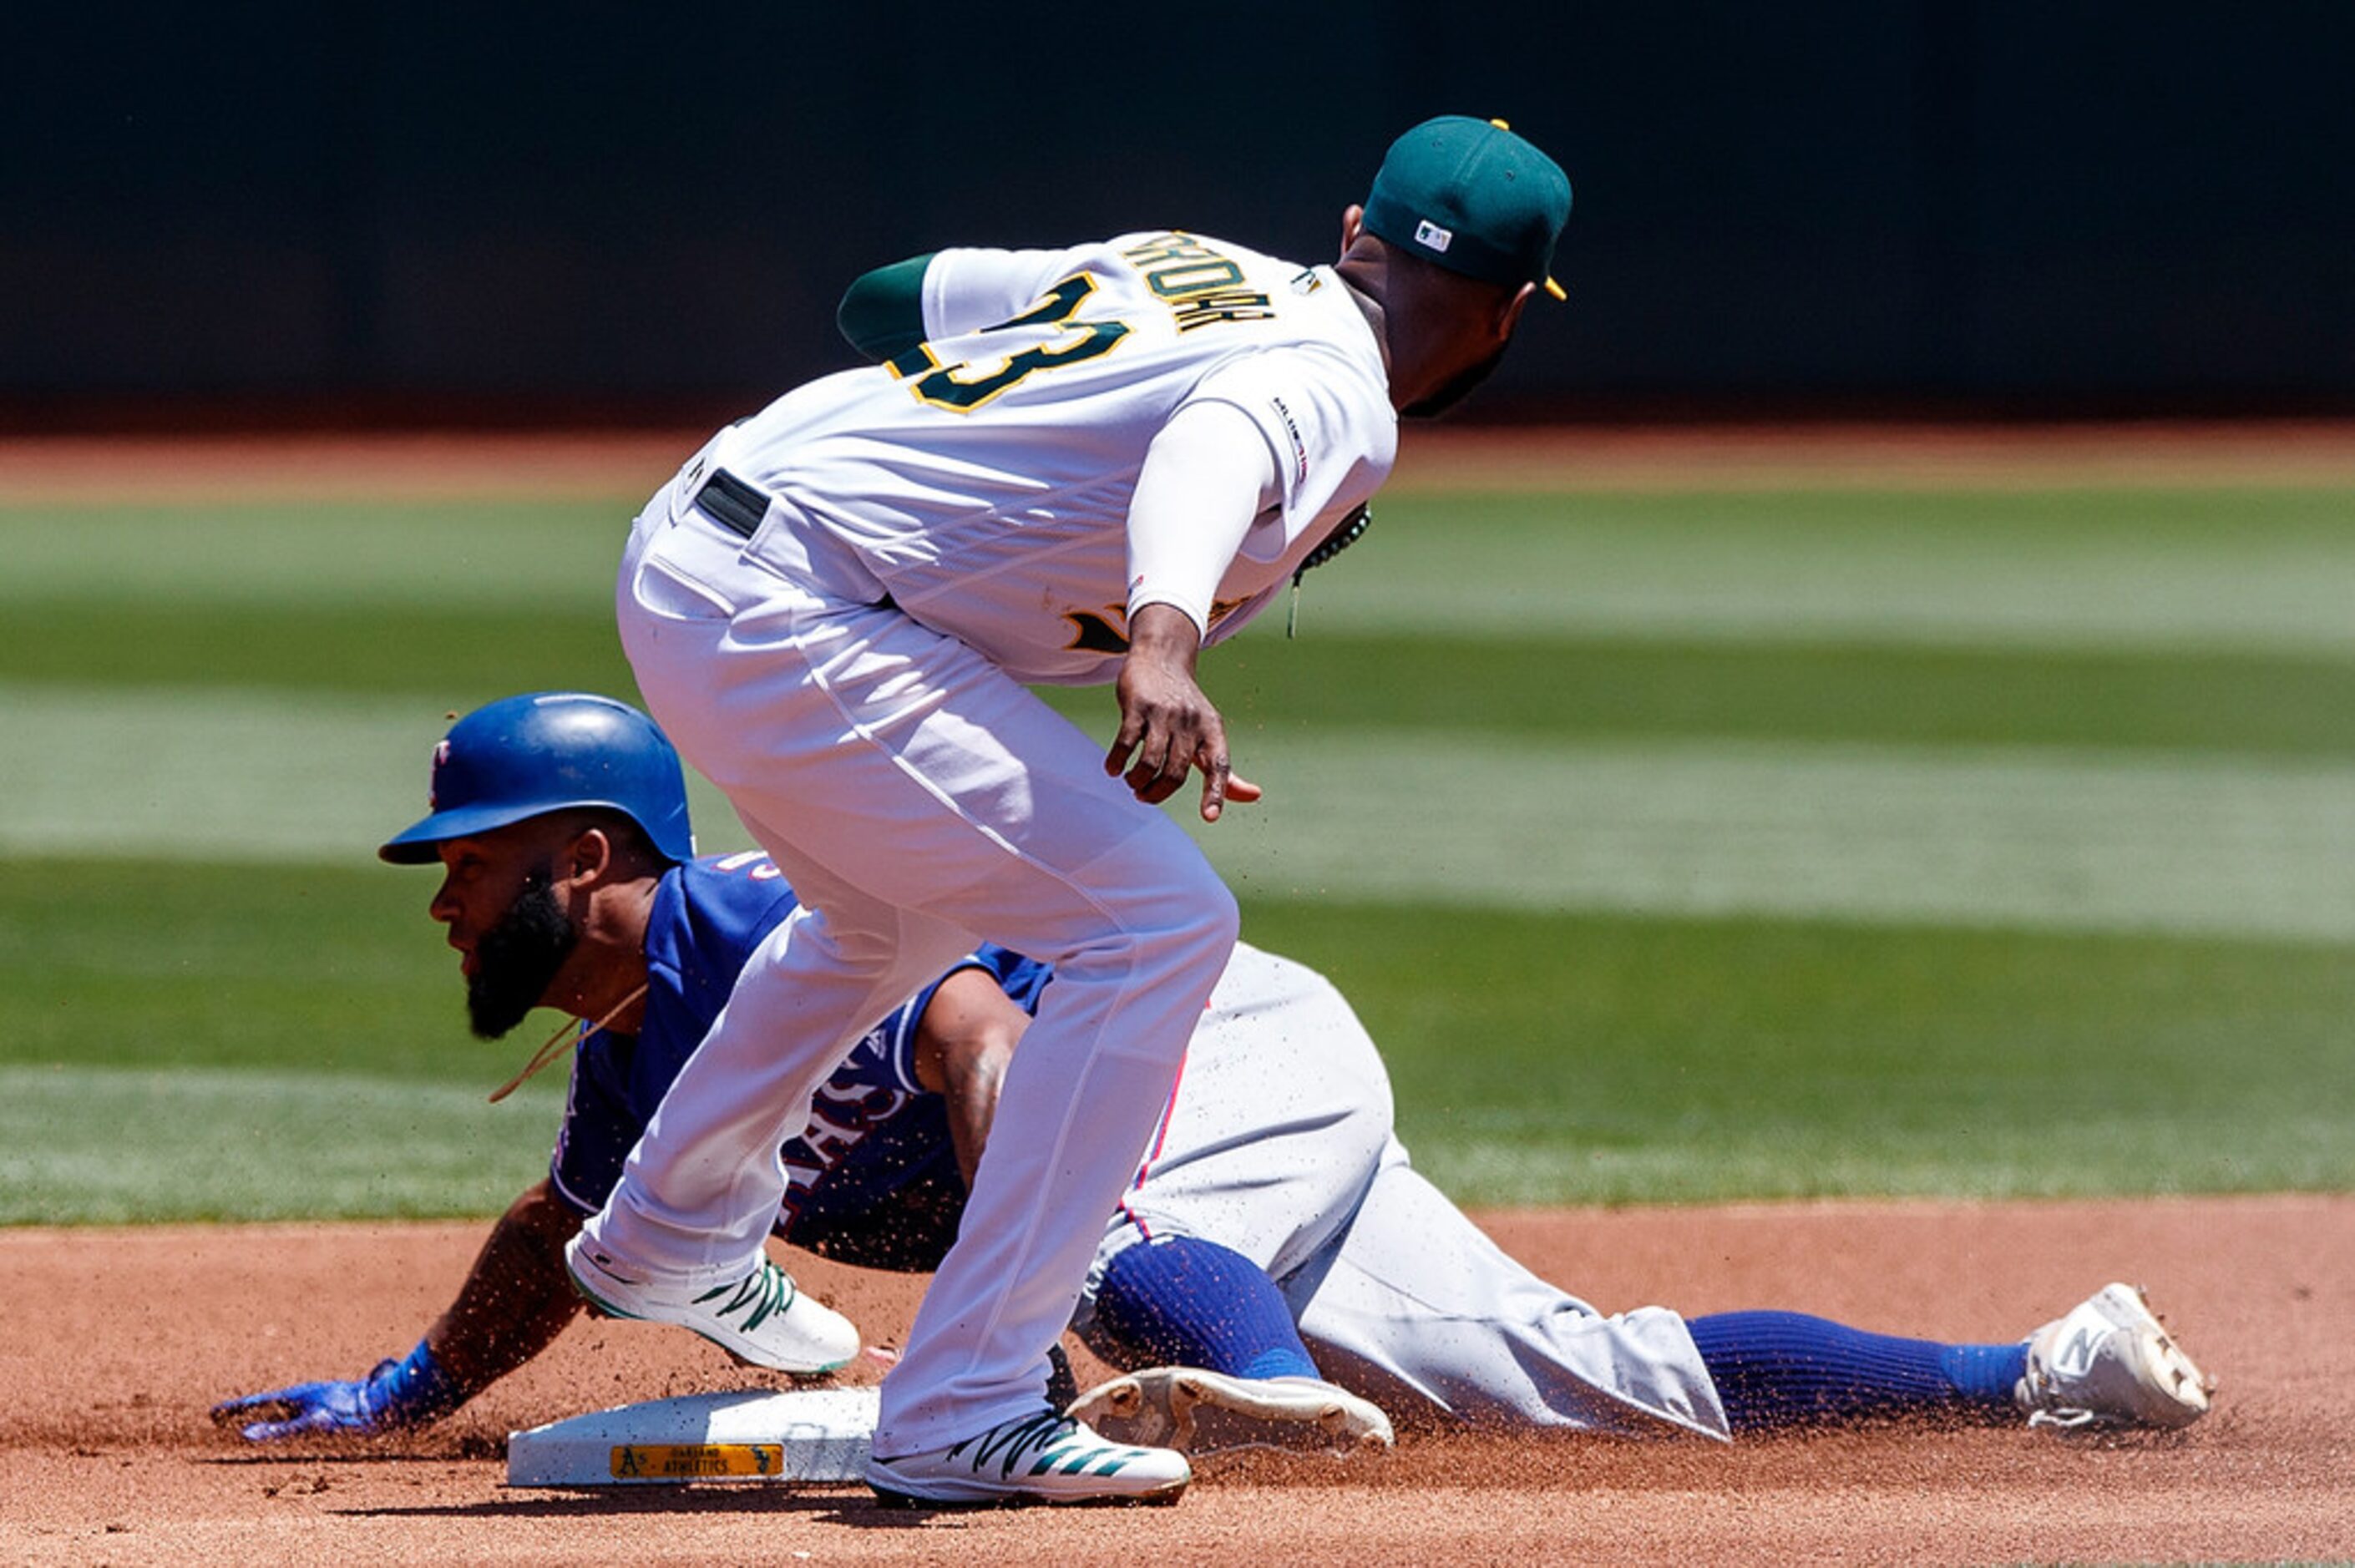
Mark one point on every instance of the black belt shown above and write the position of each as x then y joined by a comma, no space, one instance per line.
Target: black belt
737,506
730,502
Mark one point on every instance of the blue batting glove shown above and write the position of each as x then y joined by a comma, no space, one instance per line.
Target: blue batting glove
408,1393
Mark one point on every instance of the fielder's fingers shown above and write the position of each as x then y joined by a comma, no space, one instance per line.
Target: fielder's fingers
1217,772
1217,778
1152,785
1160,768
1116,759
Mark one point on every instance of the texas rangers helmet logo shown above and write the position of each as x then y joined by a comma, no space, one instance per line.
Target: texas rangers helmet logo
433,785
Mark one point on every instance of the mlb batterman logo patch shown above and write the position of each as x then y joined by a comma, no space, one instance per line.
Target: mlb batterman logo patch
1428,233
433,784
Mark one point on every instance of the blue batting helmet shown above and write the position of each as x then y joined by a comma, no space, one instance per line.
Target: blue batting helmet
550,751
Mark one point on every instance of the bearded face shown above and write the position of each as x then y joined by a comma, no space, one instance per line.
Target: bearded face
517,957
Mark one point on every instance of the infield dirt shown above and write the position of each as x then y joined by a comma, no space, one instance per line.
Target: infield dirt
113,1343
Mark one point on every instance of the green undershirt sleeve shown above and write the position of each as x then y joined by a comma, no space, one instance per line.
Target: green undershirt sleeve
882,313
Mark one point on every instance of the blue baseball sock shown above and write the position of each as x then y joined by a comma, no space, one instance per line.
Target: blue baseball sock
1183,1302
1786,1369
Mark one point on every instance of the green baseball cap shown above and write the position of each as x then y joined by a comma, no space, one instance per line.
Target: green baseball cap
1473,197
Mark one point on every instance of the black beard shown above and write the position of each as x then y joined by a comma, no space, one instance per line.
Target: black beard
517,957
1457,391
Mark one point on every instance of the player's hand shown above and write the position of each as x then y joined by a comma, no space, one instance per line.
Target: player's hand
1167,723
411,1392
350,1408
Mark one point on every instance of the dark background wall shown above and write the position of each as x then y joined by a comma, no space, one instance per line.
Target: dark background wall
519,211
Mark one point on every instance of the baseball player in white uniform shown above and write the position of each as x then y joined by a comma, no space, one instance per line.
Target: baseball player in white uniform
1095,461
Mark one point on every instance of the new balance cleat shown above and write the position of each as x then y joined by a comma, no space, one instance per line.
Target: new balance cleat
1041,1458
2111,1363
1198,1412
762,1319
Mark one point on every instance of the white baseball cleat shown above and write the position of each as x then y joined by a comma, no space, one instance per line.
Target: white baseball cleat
2111,1363
762,1319
1198,1412
1040,1458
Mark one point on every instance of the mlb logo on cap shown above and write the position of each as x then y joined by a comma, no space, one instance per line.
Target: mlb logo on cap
1469,196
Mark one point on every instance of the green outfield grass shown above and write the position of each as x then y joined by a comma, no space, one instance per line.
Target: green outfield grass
1675,846
1620,1059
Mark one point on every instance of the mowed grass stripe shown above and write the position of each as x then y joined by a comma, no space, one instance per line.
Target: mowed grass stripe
1538,1058
2044,840
461,658
1544,1057
482,554
246,1145
1532,688
219,775
169,964
1488,1162
457,656
227,774
2066,840
2256,570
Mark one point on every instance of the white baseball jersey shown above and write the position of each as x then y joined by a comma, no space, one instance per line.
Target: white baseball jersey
982,480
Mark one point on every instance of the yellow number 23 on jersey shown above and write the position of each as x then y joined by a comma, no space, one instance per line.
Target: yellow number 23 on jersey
964,385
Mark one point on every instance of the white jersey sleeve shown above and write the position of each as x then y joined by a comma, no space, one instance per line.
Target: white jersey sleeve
1312,421
968,289
1208,478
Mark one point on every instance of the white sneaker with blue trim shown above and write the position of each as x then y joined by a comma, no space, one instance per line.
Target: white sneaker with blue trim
762,1319
1040,1458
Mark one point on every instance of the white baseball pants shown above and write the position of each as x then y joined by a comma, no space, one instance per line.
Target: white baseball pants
917,798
